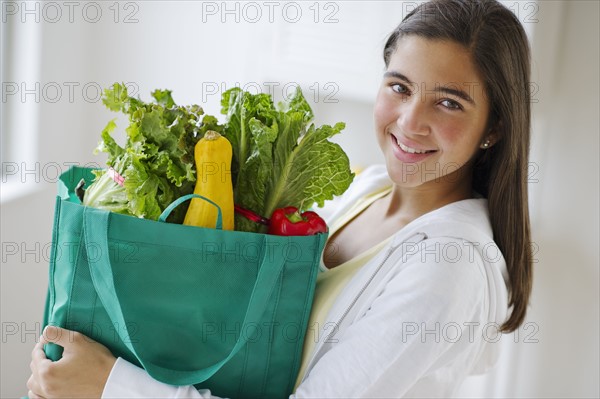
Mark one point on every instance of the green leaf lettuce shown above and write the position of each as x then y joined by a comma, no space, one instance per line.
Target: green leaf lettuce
280,157
157,161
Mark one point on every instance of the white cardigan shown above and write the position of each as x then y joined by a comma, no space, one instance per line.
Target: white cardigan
415,321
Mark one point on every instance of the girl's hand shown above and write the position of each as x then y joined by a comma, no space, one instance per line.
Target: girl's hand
80,373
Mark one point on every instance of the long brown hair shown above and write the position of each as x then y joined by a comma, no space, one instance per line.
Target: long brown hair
499,47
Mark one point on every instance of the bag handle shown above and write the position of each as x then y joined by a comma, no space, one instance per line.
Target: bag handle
96,223
165,214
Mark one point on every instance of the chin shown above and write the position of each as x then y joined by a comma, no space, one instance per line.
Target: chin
405,175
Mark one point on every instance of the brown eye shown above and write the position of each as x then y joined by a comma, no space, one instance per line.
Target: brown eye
400,88
451,104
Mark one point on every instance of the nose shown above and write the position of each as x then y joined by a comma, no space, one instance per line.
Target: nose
412,117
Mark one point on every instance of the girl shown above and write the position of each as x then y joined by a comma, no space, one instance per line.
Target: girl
428,257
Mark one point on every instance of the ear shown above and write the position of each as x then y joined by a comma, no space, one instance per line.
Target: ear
491,138
488,142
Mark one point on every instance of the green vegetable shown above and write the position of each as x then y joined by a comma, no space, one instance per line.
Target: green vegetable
157,161
280,158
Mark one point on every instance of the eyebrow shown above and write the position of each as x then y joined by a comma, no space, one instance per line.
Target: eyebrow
443,89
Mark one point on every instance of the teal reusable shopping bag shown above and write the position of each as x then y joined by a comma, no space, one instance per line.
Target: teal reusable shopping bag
222,310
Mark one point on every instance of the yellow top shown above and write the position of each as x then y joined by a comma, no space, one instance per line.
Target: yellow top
330,282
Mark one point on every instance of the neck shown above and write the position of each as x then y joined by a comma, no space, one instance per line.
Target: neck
408,203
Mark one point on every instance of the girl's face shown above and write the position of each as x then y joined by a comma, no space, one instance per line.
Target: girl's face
431,112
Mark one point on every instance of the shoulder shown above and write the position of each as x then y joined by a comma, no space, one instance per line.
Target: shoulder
458,265
466,224
461,221
459,238
466,218
445,267
374,178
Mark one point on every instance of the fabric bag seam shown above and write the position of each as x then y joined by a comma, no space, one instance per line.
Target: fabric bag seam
51,283
273,314
73,278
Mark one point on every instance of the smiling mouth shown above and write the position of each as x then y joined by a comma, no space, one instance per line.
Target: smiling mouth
410,150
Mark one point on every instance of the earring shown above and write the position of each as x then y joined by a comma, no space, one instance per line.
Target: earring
486,144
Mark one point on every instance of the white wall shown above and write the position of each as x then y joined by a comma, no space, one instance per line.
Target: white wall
170,47
558,354
565,301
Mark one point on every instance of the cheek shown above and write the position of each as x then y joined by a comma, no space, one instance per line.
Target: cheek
452,134
459,139
382,114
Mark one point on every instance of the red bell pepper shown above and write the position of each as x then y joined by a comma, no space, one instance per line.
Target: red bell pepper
289,222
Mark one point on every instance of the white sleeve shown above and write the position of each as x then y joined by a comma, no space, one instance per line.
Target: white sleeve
129,381
409,335
403,338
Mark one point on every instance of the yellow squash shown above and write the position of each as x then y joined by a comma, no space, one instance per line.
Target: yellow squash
213,180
